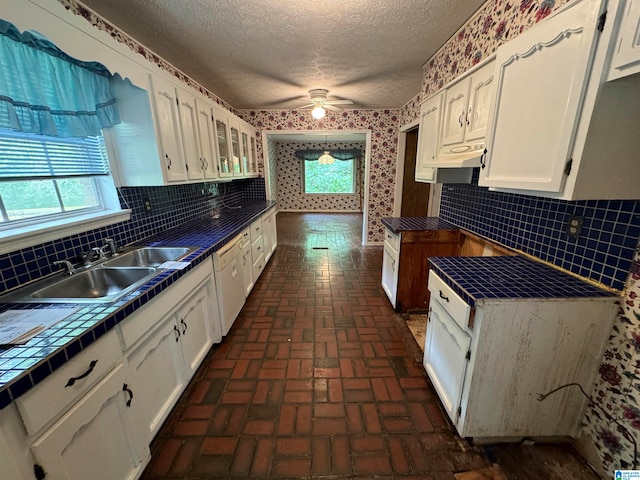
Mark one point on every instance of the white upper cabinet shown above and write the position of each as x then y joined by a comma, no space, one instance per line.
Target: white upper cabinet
249,160
189,130
207,137
236,148
466,106
428,138
225,165
254,153
626,54
556,129
428,135
165,103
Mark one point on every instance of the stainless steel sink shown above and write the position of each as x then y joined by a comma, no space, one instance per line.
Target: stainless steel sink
105,282
148,257
100,283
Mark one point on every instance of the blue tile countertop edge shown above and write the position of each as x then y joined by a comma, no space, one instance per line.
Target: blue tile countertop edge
406,224
24,366
476,279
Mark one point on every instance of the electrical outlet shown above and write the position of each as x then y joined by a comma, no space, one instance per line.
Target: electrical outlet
574,226
147,204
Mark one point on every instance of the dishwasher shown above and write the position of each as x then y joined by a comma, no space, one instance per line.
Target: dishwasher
229,275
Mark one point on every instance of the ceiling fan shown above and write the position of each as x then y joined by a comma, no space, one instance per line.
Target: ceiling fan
319,103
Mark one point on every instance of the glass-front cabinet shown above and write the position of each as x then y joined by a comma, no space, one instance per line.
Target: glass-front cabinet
246,154
225,165
254,155
235,150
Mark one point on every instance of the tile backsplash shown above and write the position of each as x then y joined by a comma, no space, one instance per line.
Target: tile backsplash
602,251
171,206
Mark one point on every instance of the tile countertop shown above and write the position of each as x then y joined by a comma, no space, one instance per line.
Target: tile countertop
404,224
476,279
22,367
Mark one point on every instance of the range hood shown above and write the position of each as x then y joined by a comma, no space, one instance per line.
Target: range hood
459,155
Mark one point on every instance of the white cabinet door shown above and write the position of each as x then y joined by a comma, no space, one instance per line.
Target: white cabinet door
246,153
194,323
236,148
481,90
541,81
428,134
95,439
247,265
455,112
189,130
269,235
445,357
390,264
626,56
156,368
165,105
207,140
254,154
225,165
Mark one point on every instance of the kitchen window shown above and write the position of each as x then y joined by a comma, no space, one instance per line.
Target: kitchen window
54,172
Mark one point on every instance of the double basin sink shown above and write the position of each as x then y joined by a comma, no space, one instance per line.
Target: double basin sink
105,282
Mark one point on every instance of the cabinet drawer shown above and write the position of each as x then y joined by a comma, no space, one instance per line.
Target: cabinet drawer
392,239
449,300
52,396
246,236
257,248
256,229
258,267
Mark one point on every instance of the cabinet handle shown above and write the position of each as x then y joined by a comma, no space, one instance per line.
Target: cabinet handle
206,164
460,118
393,265
184,326
468,114
446,299
166,155
73,380
125,388
483,159
175,329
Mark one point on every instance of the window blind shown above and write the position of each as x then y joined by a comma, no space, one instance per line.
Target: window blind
24,155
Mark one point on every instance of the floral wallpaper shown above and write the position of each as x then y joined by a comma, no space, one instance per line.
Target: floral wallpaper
383,125
121,37
290,178
613,418
497,22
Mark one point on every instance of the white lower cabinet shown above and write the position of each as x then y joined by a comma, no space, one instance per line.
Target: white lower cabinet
163,355
157,367
489,366
269,234
247,263
97,438
390,263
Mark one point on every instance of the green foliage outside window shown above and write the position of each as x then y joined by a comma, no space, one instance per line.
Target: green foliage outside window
335,178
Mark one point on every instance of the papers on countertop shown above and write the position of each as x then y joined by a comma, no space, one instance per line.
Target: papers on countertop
174,265
17,327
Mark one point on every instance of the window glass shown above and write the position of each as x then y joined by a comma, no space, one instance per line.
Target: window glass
336,178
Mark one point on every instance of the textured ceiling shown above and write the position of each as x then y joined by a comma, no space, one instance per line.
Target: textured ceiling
270,53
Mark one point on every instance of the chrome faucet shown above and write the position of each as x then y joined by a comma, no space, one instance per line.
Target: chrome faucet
95,254
111,245
70,269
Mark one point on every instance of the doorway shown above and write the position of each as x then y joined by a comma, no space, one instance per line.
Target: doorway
415,195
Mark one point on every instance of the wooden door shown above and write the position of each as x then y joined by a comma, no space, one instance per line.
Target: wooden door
415,195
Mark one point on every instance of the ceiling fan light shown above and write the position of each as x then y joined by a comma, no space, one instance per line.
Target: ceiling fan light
318,112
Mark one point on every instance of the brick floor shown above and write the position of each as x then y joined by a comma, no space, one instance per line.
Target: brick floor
318,378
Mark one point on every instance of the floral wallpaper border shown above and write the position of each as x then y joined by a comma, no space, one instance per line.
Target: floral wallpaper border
101,24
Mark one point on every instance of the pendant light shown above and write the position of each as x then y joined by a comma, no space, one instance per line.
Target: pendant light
326,158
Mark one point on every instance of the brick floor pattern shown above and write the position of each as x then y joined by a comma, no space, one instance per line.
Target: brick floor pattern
316,379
